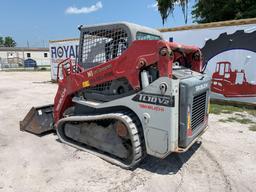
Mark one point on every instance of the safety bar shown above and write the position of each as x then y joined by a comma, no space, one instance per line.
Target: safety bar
68,67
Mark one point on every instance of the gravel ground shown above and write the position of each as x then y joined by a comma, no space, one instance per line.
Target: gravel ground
224,161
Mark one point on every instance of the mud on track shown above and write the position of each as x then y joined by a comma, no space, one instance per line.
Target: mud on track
225,160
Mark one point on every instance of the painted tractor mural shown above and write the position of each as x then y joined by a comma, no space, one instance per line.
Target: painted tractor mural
231,83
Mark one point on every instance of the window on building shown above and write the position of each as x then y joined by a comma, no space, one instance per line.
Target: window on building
45,55
28,55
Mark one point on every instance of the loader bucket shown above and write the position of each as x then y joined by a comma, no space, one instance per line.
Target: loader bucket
38,120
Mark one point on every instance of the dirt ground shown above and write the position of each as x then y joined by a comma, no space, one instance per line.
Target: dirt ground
224,161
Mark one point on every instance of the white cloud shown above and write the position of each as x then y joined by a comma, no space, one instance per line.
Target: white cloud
84,10
153,6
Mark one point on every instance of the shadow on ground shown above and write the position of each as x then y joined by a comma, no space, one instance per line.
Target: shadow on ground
42,134
171,164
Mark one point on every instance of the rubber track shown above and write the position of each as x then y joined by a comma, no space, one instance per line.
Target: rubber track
134,128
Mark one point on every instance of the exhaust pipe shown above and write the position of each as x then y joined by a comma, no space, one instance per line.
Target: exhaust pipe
144,79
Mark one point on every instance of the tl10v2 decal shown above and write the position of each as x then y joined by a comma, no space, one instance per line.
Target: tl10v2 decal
155,99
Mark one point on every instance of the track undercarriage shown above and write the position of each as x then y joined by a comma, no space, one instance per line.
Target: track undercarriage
115,137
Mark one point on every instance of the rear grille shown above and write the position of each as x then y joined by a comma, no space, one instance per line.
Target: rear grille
198,110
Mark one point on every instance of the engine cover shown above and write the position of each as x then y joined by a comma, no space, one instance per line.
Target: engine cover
193,105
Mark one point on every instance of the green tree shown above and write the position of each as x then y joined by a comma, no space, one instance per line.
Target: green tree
166,7
205,11
1,41
9,42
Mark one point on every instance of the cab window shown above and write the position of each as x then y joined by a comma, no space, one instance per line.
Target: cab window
146,36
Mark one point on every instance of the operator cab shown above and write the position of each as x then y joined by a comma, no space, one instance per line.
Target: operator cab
100,43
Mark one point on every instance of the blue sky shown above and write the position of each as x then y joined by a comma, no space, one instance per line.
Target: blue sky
38,21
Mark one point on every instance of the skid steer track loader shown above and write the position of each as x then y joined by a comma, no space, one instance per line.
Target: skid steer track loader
129,94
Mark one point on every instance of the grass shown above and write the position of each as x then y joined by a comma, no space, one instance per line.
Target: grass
244,121
234,119
239,117
26,70
252,112
252,127
229,109
29,69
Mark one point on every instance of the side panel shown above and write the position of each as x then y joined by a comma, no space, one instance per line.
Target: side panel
157,112
160,123
153,135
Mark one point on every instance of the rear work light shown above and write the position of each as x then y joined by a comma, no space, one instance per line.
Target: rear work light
189,129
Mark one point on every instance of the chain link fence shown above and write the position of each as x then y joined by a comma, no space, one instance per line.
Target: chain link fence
19,64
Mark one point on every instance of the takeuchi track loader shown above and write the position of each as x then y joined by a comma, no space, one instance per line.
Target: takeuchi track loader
129,94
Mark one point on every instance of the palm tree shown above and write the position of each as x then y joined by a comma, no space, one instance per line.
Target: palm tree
9,42
165,7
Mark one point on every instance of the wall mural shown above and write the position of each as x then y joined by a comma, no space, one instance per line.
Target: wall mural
231,61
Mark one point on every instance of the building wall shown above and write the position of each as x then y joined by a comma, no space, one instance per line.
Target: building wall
3,54
41,57
229,55
38,56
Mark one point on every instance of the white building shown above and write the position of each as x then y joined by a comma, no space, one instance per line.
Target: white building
15,56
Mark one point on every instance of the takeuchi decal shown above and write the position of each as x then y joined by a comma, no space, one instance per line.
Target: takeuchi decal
151,107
